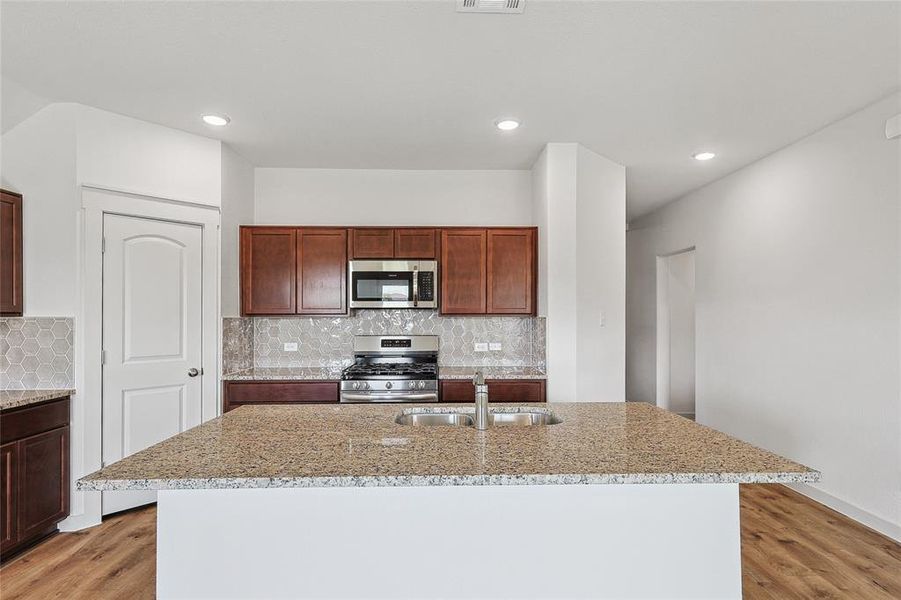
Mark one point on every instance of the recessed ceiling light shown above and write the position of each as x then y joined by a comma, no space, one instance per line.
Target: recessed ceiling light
703,155
216,120
506,124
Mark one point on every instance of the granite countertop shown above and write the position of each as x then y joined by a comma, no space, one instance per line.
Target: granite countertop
334,373
16,398
361,445
285,374
492,372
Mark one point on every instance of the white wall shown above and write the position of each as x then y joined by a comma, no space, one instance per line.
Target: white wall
17,103
385,197
579,206
237,209
126,154
48,155
797,321
601,277
38,161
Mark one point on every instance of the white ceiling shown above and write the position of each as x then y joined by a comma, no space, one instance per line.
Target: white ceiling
415,85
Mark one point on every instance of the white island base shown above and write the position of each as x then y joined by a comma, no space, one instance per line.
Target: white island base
547,541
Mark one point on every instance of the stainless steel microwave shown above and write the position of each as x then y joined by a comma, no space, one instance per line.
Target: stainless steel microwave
393,284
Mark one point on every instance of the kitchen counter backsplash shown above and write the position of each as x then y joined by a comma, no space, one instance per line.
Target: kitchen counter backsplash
328,342
36,353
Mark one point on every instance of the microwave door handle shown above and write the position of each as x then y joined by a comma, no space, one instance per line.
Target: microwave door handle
415,286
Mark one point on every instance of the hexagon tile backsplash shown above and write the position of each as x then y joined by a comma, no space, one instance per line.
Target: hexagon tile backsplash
325,341
36,353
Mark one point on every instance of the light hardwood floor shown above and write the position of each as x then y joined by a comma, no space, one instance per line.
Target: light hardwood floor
792,548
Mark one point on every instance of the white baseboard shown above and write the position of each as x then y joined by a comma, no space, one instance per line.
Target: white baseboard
886,528
79,522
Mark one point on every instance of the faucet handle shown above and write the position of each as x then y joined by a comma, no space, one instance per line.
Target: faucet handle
478,378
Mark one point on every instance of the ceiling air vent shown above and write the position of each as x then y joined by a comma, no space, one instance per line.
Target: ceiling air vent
490,6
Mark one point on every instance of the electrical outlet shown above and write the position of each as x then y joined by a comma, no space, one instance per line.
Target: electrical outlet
495,346
290,346
481,347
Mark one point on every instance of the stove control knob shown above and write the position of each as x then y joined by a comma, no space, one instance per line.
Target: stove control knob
420,385
388,385
356,385
365,385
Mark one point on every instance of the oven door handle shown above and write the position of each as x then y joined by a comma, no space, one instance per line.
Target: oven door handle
415,286
400,397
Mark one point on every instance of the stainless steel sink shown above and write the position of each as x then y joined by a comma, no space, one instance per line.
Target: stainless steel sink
459,419
446,419
522,418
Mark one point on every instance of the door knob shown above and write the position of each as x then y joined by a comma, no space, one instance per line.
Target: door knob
192,372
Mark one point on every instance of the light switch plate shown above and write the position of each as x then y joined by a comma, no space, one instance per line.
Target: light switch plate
495,346
481,347
290,346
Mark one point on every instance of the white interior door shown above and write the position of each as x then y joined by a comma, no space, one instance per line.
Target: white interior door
152,332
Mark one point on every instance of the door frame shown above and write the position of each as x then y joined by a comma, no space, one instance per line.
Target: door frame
87,444
663,330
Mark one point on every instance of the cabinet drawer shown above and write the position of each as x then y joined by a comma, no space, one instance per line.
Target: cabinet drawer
499,390
17,423
279,392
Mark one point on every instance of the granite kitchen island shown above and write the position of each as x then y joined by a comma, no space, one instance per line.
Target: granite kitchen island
339,501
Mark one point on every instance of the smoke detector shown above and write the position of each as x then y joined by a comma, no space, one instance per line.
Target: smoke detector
490,6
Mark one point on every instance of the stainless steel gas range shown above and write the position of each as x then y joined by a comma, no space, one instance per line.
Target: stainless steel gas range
392,368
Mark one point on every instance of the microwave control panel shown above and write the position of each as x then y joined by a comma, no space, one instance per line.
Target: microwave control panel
426,286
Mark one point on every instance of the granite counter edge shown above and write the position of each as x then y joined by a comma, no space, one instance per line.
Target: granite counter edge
445,480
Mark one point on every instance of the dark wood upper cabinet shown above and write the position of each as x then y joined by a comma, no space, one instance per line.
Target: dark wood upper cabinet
415,243
373,243
321,271
402,242
463,270
10,253
489,271
303,271
268,270
511,271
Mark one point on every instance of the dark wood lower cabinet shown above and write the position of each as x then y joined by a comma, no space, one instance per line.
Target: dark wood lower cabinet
238,393
34,473
499,390
7,496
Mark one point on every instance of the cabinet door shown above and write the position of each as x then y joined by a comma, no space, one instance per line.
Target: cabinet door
268,272
7,496
321,271
10,253
463,271
499,390
511,271
414,243
373,243
43,477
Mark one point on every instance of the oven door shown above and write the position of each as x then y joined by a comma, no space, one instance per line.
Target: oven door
350,397
385,284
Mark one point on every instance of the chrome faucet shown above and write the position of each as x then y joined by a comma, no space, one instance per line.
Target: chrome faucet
481,421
